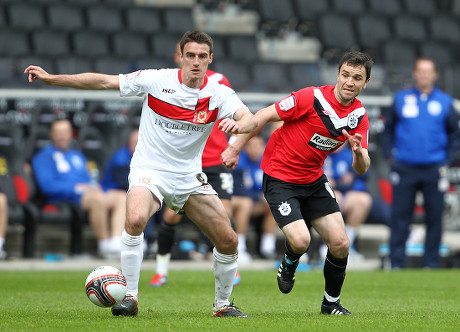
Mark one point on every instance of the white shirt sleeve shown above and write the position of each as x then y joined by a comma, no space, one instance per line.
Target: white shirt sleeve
137,83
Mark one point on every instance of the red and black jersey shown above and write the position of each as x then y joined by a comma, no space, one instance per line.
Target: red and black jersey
313,123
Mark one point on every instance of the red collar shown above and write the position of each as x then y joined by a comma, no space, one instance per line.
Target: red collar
204,82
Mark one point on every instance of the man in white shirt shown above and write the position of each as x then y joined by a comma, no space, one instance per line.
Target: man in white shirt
179,110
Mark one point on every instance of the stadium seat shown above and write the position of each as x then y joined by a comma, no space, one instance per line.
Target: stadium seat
411,28
94,146
178,20
304,74
271,77
73,65
130,44
445,28
88,43
238,74
423,8
388,8
104,18
399,52
439,52
66,17
145,20
14,42
336,41
164,45
52,43
276,15
25,15
247,43
349,7
372,30
114,65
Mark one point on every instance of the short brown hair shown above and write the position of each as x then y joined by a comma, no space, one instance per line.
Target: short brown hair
356,59
199,37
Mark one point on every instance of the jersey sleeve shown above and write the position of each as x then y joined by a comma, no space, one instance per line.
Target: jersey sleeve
296,105
230,102
136,83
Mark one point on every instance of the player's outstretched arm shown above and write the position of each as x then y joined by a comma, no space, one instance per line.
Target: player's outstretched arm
88,81
263,116
361,160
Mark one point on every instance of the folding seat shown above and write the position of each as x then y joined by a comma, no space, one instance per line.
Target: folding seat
424,8
334,38
445,28
271,77
53,43
114,65
243,48
439,52
164,45
411,28
73,65
130,44
145,20
304,74
275,14
238,73
104,18
178,20
310,10
388,8
13,42
25,15
219,49
399,52
96,150
350,7
66,17
89,43
372,30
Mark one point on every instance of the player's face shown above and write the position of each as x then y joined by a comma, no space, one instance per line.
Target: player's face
61,134
350,82
195,60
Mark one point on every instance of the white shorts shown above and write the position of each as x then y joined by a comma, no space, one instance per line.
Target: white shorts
174,189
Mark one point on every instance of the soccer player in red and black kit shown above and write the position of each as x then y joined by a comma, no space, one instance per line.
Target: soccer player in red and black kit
317,120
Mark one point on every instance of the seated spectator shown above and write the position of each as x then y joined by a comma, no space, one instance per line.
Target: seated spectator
3,224
355,201
248,200
62,176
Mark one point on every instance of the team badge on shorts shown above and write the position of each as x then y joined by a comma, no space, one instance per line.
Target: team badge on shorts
284,209
202,178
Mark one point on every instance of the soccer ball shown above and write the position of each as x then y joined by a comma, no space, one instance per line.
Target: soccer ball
105,286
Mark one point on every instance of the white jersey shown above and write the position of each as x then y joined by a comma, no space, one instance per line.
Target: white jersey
176,120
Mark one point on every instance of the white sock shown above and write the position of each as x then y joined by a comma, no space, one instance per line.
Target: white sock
104,246
224,268
131,260
242,243
351,233
268,243
330,298
163,263
2,241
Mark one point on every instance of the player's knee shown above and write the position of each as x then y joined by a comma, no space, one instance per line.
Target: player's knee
339,247
227,244
300,243
135,222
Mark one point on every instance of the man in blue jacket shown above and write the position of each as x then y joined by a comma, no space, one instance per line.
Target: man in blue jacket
62,176
421,139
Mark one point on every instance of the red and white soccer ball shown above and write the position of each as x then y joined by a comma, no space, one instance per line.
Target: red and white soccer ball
105,286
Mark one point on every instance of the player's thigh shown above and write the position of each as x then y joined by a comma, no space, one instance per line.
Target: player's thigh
208,213
331,228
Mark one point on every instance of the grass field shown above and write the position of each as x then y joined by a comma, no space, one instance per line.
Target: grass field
412,300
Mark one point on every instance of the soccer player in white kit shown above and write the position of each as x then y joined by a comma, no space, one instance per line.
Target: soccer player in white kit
179,110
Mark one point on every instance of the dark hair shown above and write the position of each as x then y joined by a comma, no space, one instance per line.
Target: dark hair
426,58
356,59
199,37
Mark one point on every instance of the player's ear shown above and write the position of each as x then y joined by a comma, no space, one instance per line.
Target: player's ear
211,57
365,84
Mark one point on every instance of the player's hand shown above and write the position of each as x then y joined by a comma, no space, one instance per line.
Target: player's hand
229,126
230,157
354,141
36,72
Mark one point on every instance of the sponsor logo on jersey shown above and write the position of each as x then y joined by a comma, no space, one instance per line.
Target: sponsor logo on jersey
287,103
324,143
168,90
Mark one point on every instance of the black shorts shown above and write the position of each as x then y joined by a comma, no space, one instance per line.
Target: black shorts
290,202
221,179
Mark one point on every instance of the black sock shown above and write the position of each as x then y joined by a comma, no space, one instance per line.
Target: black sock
166,235
290,254
334,275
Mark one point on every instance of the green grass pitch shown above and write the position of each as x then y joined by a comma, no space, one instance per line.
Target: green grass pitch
407,300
